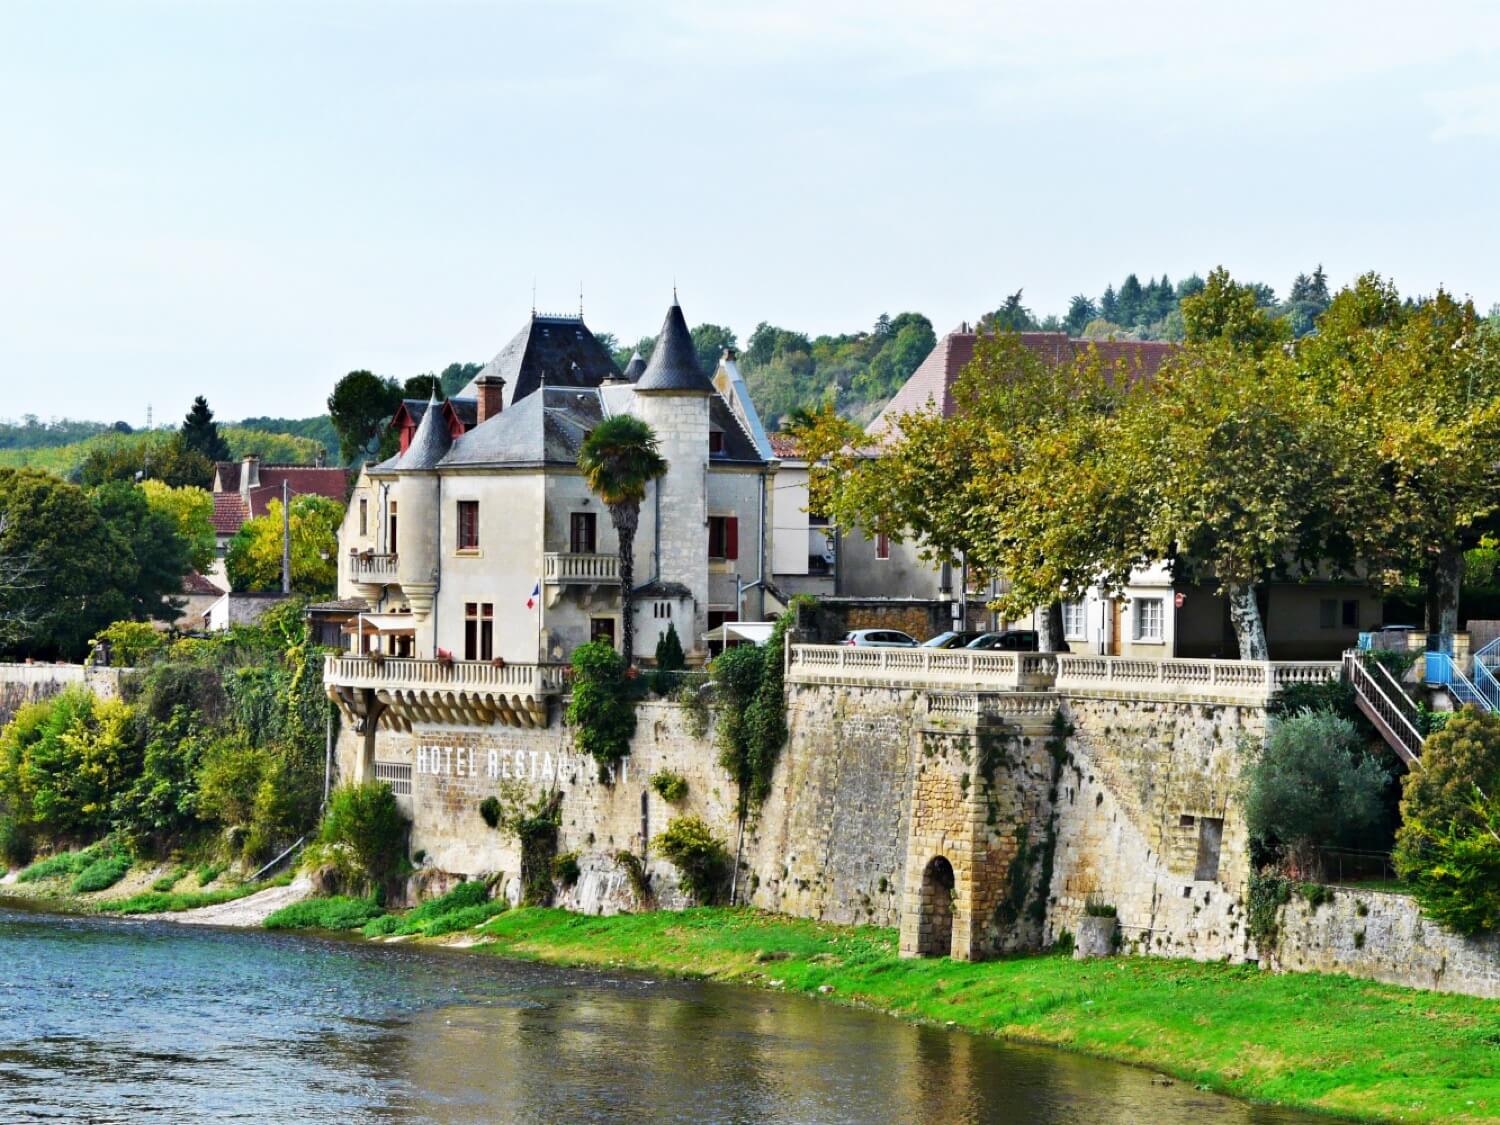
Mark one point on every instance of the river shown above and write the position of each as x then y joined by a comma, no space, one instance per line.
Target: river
110,1020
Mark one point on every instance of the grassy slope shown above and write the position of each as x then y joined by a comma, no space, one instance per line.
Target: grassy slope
61,460
1318,1042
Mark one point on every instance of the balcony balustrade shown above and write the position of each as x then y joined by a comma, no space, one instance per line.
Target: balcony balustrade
373,570
402,693
563,569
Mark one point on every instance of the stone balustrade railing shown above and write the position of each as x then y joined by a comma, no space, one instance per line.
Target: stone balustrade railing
1226,680
372,568
593,570
442,675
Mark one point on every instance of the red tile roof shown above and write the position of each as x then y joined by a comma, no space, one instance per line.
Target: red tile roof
932,381
784,446
230,511
195,584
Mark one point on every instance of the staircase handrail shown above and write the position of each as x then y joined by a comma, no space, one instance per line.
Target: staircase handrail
1486,684
1491,649
1395,716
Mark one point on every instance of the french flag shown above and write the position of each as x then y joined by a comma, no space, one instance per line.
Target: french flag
536,592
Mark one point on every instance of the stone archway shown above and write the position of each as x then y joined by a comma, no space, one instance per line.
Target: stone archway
935,920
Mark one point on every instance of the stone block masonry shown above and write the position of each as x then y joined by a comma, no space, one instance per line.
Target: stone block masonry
21,684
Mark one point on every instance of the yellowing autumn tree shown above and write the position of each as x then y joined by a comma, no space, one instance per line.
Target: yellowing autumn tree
254,561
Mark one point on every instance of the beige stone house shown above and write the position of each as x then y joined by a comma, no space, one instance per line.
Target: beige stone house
479,542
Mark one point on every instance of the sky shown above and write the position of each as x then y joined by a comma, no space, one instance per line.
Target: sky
247,200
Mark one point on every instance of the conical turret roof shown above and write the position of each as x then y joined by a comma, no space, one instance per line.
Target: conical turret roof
636,367
430,442
674,363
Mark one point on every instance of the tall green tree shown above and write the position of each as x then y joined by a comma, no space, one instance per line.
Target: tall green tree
709,342
190,511
360,406
166,457
619,459
201,433
150,556
254,558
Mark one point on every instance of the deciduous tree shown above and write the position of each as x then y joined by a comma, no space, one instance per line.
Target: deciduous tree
254,559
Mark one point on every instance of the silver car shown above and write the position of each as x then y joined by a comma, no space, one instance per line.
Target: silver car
879,638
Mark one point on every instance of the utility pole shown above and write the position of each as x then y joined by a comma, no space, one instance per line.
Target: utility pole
286,539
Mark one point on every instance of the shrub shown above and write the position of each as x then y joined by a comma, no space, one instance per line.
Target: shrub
161,802
489,809
600,710
1096,909
465,906
702,862
671,787
565,869
131,643
1447,848
752,720
100,874
15,842
638,876
1312,785
670,660
208,872
363,836
339,912
64,864
169,880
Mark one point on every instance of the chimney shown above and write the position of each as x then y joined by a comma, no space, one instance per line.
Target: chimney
491,390
249,473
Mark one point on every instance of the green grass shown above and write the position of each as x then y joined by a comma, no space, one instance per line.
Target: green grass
101,874
1319,1042
462,908
170,879
56,866
170,902
209,872
337,913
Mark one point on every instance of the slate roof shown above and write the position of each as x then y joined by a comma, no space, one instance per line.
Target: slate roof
636,367
674,362
467,409
542,428
428,445
933,379
553,351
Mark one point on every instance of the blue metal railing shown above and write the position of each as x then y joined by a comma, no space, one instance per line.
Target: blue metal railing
1443,671
1486,684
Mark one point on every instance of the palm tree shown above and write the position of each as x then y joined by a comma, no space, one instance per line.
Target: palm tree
619,458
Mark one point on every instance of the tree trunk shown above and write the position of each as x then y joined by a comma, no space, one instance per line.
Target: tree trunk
1050,629
1443,582
626,518
1244,615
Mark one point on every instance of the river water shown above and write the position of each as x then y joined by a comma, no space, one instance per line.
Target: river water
108,1020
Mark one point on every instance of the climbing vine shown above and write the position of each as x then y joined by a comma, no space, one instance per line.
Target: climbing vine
534,825
601,711
752,713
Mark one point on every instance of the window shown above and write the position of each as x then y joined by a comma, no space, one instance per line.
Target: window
390,541
602,629
723,537
662,611
1328,611
364,517
1351,613
1149,619
882,546
479,630
1074,619
581,539
468,525
716,441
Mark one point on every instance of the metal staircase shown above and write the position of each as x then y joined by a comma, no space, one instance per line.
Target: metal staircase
1382,700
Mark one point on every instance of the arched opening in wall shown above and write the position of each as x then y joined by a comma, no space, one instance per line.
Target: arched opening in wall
935,928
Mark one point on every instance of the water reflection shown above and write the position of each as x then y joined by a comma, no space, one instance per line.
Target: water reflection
114,1020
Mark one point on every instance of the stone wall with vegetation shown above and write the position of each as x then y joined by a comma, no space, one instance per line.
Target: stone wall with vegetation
21,684
1382,937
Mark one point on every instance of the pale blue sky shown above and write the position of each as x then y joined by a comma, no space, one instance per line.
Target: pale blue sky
248,199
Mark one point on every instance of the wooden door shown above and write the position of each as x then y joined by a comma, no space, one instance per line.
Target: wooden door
1114,626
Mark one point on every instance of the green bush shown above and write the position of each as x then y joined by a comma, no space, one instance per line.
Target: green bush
64,864
100,874
600,710
489,811
209,872
670,787
702,862
565,869
131,643
752,717
169,880
363,835
1312,785
339,912
465,906
1448,846
670,661
170,902
1095,909
15,842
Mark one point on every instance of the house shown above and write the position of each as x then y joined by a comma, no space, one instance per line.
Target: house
244,489
479,541
239,609
1155,616
197,597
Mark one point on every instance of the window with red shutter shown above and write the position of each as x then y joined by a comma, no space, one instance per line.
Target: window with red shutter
468,525
731,537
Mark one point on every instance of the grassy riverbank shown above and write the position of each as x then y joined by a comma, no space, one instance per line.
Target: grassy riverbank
1317,1042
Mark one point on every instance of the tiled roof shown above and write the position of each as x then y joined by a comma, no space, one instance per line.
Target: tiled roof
784,446
194,584
932,381
229,512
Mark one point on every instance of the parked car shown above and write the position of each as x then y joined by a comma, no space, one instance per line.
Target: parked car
950,639
879,638
1008,640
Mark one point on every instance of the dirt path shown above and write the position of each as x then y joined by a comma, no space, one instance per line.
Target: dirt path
250,911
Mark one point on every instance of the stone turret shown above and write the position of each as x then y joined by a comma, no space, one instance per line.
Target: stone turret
417,493
672,394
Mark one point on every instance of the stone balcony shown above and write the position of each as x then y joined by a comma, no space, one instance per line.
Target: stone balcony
372,570
961,671
400,694
562,569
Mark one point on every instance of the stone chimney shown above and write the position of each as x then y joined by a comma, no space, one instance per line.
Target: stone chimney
491,390
249,473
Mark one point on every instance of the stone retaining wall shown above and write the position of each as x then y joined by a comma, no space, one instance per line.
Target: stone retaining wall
21,684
